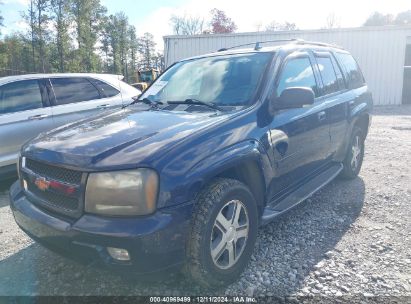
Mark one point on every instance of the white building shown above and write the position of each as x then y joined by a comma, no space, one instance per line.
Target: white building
384,53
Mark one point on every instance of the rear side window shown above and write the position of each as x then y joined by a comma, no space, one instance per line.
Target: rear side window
352,71
76,89
20,96
340,77
328,75
297,72
106,89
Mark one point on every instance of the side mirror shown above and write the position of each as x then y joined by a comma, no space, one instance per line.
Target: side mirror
294,97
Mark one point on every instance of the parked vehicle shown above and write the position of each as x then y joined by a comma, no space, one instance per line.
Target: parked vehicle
145,78
31,104
240,137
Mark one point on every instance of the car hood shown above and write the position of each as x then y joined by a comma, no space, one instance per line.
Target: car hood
126,137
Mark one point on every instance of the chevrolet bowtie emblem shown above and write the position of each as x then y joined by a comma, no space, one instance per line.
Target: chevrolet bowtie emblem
42,183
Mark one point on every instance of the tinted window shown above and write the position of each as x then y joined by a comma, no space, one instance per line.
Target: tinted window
352,71
105,88
297,72
20,96
340,78
328,75
69,90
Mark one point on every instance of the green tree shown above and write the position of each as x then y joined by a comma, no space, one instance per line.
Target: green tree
133,53
377,19
1,18
30,18
146,50
60,14
123,41
403,18
38,19
88,16
14,55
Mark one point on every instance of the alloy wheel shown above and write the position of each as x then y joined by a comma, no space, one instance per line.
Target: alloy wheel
356,152
229,234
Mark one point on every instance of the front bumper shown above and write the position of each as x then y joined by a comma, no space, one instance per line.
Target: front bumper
154,242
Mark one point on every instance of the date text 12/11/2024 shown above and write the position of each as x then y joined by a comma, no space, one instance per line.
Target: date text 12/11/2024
203,299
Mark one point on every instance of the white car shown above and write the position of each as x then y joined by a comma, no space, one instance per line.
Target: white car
30,104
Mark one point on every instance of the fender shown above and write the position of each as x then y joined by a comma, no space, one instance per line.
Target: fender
361,106
214,164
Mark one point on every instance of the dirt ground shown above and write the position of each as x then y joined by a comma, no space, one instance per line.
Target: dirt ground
351,238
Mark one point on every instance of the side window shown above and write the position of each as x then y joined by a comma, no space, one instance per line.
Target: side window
106,89
352,72
76,89
328,75
340,78
20,96
297,72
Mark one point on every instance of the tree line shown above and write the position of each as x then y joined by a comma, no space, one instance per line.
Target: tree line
77,36
80,36
378,19
219,23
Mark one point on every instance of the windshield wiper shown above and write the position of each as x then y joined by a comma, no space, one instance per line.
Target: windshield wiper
192,101
145,100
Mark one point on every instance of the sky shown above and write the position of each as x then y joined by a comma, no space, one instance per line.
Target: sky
153,15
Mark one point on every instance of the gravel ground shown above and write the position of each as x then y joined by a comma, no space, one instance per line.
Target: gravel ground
351,238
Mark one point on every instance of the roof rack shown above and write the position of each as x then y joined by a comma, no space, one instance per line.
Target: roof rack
319,43
294,40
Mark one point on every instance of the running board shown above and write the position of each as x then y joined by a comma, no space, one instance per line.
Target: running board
277,208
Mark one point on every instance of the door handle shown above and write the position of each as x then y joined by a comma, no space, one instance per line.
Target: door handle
38,117
321,115
103,106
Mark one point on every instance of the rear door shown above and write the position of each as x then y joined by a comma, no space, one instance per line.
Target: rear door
352,92
334,94
300,137
24,113
75,98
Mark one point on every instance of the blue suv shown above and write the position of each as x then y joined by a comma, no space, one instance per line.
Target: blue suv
183,176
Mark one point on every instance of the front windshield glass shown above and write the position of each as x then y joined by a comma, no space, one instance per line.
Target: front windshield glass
223,80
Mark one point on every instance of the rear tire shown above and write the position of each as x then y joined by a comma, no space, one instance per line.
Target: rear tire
223,233
355,155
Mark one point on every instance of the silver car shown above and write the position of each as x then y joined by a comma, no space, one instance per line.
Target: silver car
30,104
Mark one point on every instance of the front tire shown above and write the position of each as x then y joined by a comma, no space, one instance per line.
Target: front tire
223,233
355,155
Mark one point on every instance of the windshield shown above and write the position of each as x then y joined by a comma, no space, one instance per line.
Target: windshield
223,80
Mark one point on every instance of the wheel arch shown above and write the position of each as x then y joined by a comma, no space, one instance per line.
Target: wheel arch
246,162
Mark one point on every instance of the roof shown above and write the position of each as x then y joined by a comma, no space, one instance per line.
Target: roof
290,45
107,77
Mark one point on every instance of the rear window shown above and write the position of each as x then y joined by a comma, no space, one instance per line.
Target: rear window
75,89
20,96
106,89
352,71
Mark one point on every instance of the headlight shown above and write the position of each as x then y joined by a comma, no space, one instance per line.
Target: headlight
132,192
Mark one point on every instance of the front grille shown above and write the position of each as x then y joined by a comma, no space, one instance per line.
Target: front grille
53,199
53,172
56,200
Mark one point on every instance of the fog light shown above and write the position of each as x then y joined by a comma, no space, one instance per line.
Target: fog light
118,254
